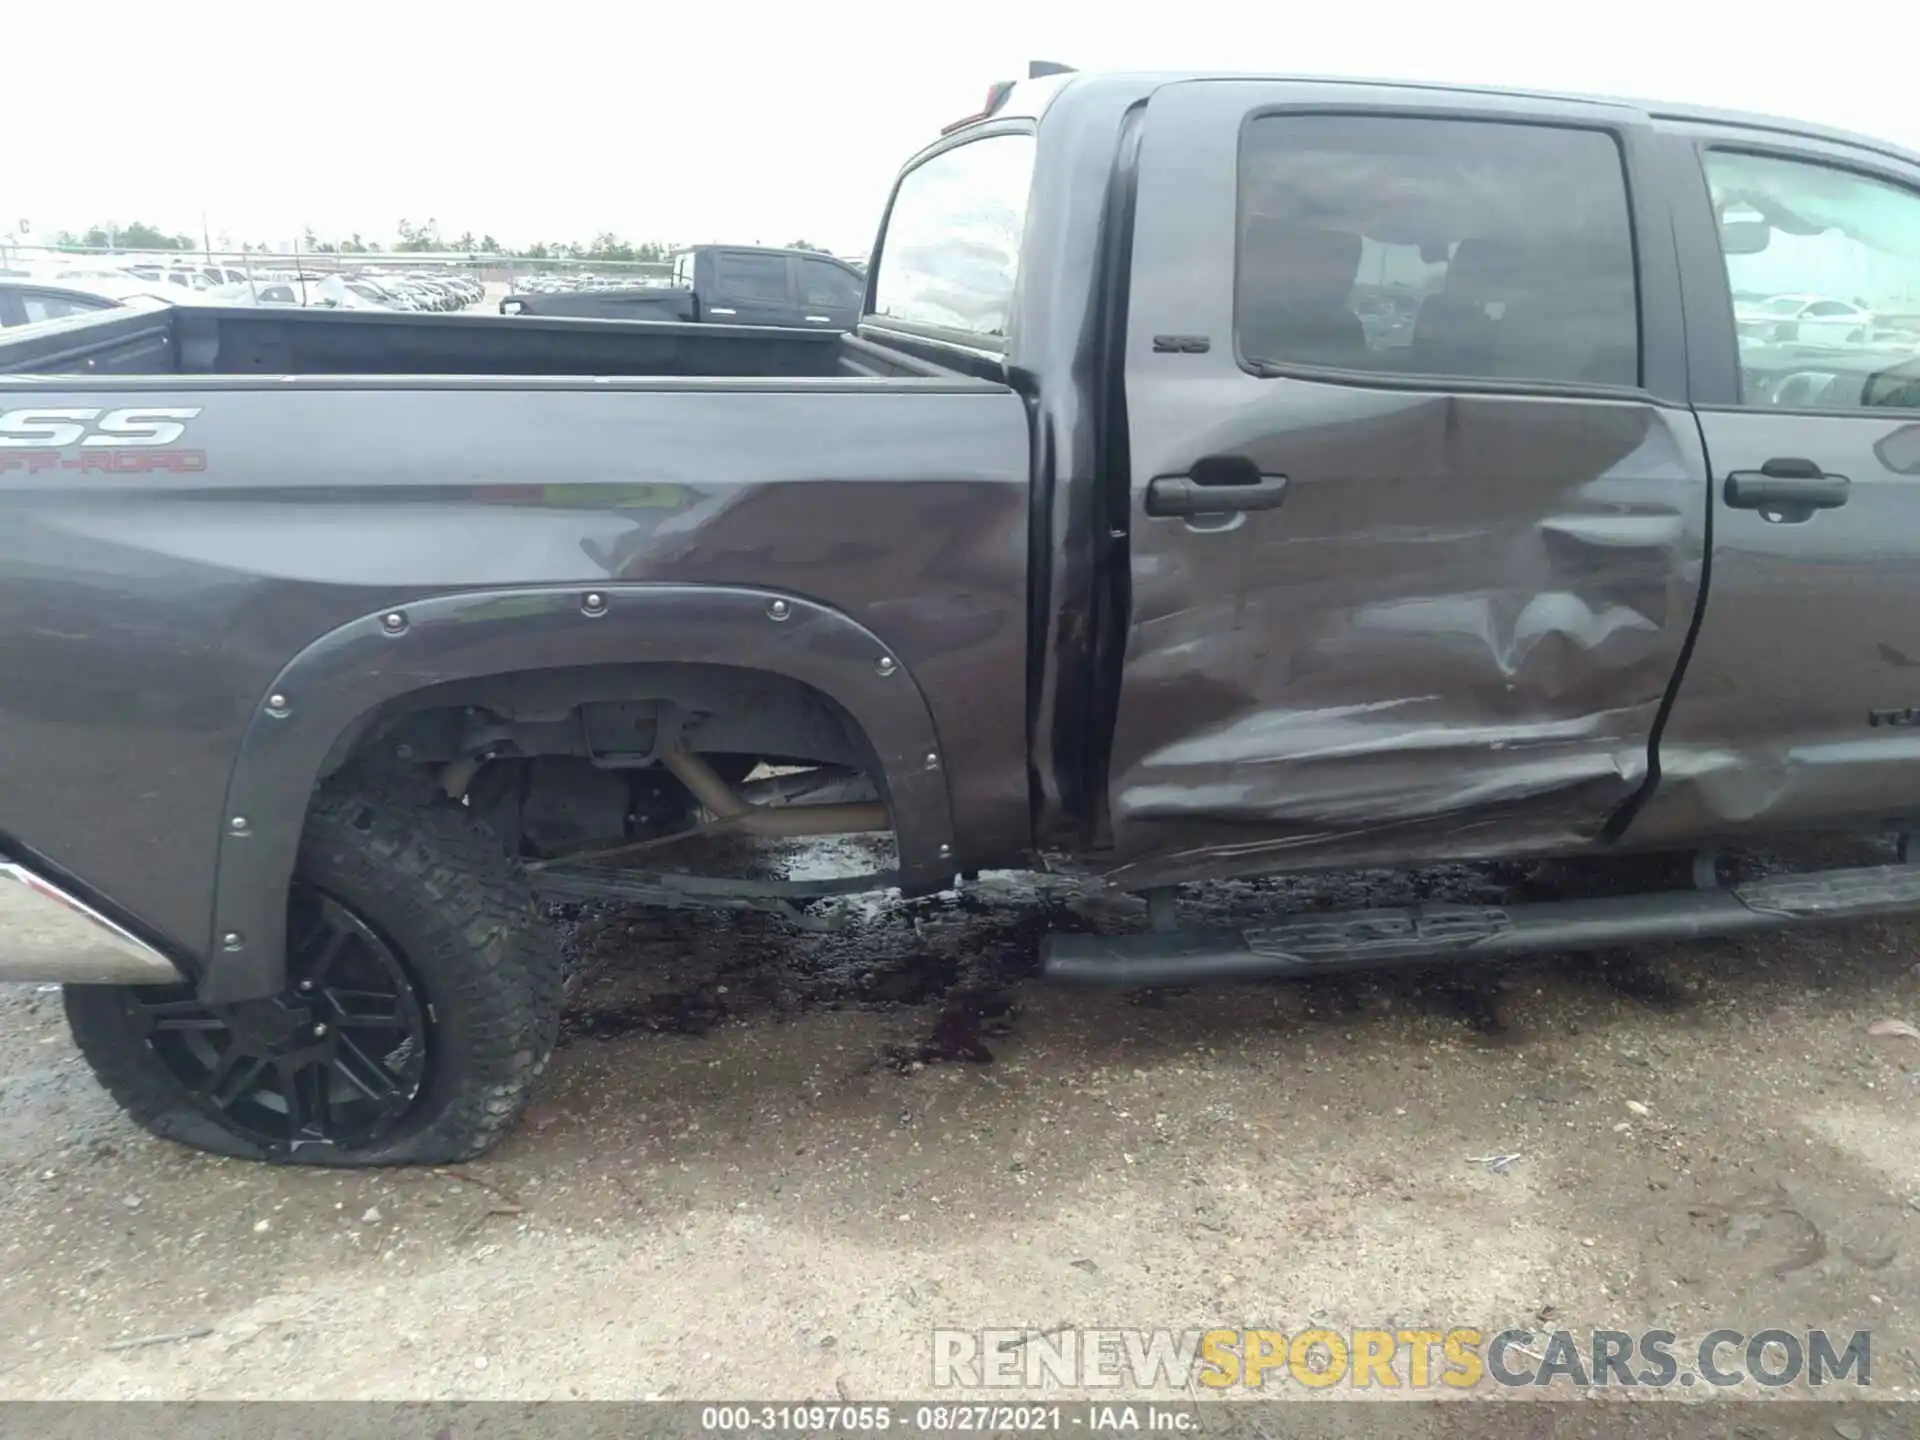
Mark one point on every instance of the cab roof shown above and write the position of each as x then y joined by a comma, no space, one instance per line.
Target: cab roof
1030,99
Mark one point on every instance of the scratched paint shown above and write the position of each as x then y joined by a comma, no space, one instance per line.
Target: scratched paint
1454,638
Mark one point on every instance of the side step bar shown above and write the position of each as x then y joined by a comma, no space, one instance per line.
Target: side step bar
1360,939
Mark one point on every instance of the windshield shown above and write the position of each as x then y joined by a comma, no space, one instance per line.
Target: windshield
1784,305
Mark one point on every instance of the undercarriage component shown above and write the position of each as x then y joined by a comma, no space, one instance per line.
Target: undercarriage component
782,813
569,804
679,892
550,807
1317,944
823,785
730,815
774,822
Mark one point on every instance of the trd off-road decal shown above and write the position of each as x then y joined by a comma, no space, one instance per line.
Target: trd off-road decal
135,441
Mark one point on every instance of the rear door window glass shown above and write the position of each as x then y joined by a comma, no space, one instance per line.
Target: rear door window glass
745,276
950,257
1436,247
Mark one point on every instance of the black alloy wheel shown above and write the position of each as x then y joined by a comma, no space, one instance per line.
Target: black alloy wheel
420,1003
337,1059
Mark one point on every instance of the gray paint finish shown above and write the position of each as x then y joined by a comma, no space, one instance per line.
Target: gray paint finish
378,658
1452,640
1811,627
1455,635
1474,628
144,618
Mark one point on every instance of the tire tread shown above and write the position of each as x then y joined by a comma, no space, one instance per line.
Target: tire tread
464,917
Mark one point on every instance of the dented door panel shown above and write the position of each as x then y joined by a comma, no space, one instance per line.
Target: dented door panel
1452,639
1453,634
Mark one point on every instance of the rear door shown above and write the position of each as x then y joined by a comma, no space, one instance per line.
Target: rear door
1417,502
1801,703
751,287
830,294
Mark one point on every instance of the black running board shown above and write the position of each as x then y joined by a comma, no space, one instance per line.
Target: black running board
1317,944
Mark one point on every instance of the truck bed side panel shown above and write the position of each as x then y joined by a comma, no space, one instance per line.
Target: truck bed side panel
147,604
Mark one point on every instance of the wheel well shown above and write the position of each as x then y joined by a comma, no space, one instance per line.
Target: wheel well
616,716
554,761
553,662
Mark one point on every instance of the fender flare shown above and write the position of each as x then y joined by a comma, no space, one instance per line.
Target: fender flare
402,648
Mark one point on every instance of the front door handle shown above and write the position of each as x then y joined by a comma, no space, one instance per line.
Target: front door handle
1217,485
1789,488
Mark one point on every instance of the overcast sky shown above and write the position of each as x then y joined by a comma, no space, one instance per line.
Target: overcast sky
741,121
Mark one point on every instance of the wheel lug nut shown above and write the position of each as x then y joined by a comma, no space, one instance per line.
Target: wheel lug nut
306,985
319,1030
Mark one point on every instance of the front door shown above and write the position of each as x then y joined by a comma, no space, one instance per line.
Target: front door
1801,703
1417,505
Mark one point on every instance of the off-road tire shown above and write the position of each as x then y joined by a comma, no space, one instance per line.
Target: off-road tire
462,919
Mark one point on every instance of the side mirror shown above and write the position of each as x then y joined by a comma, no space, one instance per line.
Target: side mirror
1897,387
1745,237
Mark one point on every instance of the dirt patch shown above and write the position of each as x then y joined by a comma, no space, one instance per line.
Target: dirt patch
770,1162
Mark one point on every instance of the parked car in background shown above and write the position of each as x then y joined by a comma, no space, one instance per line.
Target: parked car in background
220,281
28,301
397,294
339,292
76,290
277,292
725,285
1813,319
185,277
437,290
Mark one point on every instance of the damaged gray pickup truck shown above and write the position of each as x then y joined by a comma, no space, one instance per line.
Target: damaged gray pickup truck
1226,476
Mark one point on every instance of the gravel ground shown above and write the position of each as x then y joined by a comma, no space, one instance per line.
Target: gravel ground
768,1163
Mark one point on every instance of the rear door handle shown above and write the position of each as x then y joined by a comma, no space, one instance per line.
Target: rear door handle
1217,485
820,319
1785,486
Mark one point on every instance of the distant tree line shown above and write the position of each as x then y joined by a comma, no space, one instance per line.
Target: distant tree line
134,236
137,235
